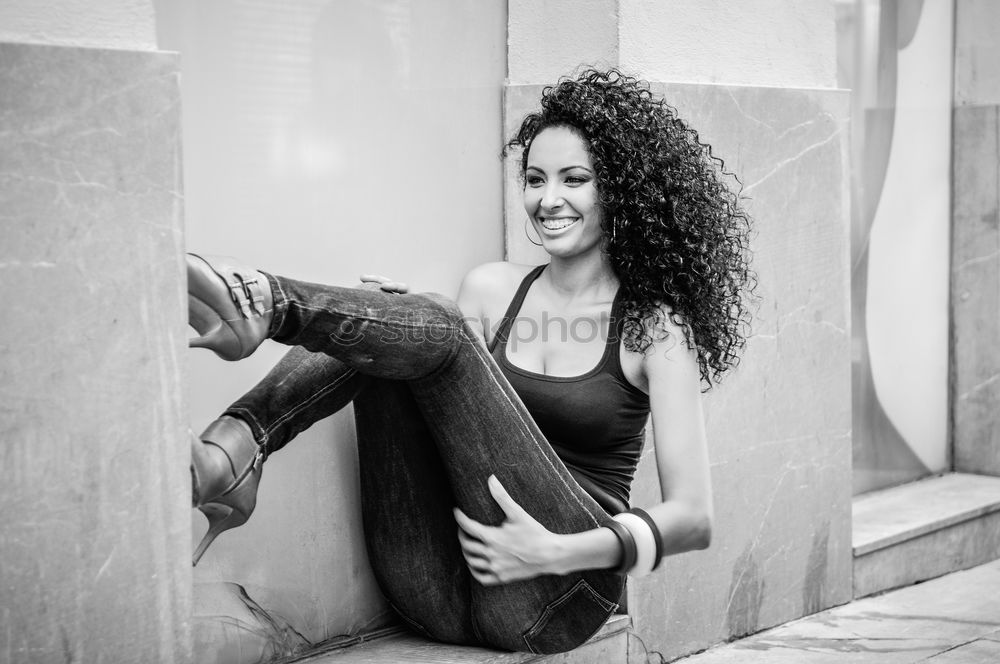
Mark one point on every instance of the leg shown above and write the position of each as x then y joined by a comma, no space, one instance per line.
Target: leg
480,428
302,389
226,460
406,503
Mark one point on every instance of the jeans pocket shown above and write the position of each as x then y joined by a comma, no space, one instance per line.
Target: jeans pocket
569,620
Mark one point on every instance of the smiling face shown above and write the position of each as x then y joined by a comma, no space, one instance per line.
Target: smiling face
560,193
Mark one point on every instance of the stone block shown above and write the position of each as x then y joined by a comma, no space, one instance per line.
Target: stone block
96,494
955,548
882,519
922,530
975,290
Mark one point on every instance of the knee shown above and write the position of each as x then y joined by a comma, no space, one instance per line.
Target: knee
444,308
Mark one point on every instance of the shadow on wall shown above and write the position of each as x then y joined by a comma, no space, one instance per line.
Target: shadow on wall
746,595
814,591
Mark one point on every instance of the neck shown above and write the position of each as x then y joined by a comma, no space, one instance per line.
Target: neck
589,275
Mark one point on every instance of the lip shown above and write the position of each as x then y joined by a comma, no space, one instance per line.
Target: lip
557,231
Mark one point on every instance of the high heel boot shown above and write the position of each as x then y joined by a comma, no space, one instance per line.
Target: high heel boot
226,464
229,304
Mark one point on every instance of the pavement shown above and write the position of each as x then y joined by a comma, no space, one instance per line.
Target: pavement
954,619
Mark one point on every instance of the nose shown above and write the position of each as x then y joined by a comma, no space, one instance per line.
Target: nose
552,197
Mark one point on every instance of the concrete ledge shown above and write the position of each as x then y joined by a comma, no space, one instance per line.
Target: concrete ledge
608,646
922,530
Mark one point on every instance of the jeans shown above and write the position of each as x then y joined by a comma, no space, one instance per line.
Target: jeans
435,417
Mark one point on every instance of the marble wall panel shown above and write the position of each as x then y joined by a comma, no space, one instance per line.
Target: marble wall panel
975,242
780,426
975,284
95,495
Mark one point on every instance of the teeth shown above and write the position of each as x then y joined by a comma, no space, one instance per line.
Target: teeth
556,224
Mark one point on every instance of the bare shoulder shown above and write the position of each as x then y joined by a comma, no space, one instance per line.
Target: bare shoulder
493,276
487,290
488,282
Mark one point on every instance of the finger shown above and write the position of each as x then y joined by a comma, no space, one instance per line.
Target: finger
378,278
485,578
504,500
472,546
394,287
478,564
471,526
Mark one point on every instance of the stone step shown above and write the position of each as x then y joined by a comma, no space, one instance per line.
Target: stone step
924,529
608,646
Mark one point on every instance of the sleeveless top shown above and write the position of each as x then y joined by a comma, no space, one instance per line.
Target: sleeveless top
595,422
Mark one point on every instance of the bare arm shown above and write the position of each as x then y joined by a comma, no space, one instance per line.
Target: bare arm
684,517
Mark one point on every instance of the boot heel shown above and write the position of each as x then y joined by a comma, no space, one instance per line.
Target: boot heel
220,519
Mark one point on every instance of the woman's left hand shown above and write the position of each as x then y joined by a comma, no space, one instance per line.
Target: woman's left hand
519,548
385,283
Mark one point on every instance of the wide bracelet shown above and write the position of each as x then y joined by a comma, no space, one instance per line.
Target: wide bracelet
657,538
645,544
628,546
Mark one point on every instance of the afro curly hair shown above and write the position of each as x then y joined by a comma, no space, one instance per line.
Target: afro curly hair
674,232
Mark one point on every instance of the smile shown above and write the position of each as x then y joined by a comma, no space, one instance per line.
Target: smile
554,224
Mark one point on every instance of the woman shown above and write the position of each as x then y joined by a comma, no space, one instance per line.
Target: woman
526,433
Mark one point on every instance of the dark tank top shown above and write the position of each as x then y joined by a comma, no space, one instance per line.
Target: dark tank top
595,422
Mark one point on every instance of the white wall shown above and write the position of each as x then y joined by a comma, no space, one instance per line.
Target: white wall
127,24
324,139
762,42
546,40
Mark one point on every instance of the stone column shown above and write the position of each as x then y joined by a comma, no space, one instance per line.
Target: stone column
975,254
95,538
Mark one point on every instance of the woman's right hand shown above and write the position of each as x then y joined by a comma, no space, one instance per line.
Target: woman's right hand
385,283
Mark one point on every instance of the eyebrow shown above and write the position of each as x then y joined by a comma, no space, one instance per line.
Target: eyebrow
561,170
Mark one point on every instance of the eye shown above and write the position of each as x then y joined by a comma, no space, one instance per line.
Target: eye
533,180
577,180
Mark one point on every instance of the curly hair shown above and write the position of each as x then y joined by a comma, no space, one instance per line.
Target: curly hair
675,234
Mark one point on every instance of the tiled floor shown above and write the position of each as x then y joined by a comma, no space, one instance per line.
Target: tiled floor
954,619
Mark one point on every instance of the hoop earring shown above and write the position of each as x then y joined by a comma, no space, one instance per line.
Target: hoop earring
537,244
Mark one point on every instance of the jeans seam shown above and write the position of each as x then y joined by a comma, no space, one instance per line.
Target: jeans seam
279,306
260,434
294,410
415,625
580,585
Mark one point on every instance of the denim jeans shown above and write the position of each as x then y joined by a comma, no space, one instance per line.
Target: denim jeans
435,417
